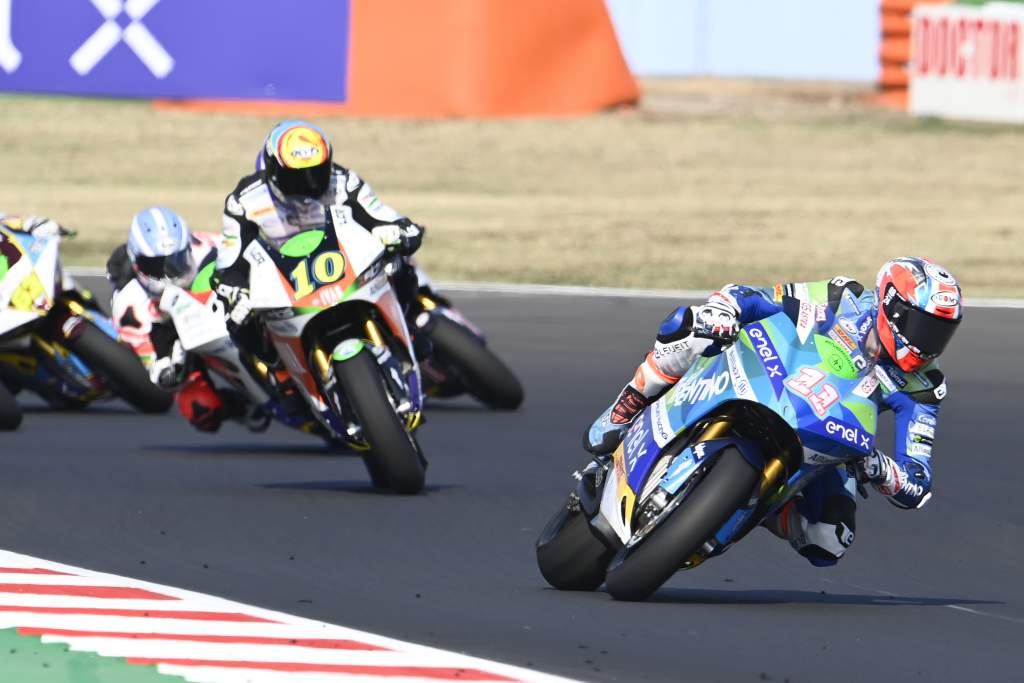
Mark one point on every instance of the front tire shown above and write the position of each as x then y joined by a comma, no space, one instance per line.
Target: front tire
396,462
484,375
10,411
120,369
569,555
638,571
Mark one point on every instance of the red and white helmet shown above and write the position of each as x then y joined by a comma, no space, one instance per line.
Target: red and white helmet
919,309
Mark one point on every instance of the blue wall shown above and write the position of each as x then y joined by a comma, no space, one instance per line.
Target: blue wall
801,39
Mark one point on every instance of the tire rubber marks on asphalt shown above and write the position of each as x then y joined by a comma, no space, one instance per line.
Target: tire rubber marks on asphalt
209,639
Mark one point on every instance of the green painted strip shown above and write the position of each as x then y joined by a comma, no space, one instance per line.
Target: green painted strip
26,659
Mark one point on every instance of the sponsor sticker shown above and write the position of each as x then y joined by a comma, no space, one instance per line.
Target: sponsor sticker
866,387
695,389
660,427
927,431
845,433
920,449
804,321
939,274
945,299
768,356
884,378
740,381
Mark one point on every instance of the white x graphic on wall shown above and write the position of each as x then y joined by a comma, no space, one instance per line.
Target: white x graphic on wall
136,36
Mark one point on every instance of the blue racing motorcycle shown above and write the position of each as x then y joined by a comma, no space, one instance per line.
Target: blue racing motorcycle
740,434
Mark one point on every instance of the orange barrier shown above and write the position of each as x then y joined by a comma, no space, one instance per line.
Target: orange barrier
894,51
471,58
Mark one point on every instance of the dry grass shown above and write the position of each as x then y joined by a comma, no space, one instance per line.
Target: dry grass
708,182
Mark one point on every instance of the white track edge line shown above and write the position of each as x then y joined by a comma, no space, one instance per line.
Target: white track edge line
216,602
524,289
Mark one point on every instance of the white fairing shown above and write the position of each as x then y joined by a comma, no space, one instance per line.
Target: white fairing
202,330
361,247
198,325
265,287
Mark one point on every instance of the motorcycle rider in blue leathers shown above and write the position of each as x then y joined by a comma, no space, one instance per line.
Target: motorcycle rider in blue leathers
900,330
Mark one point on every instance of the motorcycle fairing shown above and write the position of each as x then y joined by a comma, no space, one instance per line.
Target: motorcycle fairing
772,363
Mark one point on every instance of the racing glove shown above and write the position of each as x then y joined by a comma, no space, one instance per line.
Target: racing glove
169,372
399,240
717,320
236,302
880,471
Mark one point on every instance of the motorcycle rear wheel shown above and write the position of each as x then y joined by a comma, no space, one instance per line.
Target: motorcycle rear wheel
569,555
394,460
484,375
120,368
639,570
10,411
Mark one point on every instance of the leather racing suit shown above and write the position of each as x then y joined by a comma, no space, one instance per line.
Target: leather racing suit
253,209
820,523
151,334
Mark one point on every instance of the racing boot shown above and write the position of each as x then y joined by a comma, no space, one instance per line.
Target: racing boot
606,433
822,542
648,383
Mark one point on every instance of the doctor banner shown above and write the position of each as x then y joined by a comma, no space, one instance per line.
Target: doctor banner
968,62
246,49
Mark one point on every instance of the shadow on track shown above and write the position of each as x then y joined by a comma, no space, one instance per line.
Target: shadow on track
350,486
260,450
781,597
83,410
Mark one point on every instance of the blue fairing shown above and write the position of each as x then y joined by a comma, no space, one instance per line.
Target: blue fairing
793,362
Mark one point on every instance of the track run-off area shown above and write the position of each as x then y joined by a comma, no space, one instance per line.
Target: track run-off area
275,522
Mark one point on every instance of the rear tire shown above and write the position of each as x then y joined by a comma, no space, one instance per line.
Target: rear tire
10,411
638,571
396,461
484,375
120,369
569,556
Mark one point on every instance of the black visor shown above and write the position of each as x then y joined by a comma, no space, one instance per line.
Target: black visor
924,331
304,182
174,266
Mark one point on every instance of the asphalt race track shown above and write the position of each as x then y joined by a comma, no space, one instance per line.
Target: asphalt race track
273,520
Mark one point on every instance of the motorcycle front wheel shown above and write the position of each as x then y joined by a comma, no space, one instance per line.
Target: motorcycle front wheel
394,460
638,570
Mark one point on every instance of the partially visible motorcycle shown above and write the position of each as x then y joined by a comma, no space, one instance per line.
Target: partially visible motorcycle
740,435
199,324
461,361
55,340
326,301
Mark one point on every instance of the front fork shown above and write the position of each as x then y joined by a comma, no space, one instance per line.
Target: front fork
407,407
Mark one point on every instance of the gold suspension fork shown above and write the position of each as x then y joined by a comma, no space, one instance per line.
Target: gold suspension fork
773,470
374,335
